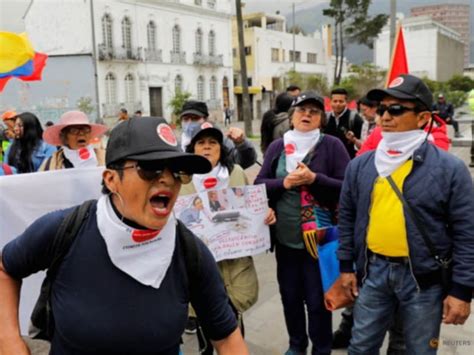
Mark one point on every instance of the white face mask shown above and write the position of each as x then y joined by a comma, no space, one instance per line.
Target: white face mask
145,255
395,149
297,145
82,157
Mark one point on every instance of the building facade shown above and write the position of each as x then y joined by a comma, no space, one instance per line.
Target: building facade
433,50
144,51
270,55
454,16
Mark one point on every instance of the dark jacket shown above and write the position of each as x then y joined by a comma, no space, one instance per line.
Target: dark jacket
344,125
446,110
329,163
440,191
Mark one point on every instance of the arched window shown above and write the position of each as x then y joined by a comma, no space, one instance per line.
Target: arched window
199,41
178,83
213,88
129,88
200,88
151,35
212,43
107,31
110,89
127,35
176,39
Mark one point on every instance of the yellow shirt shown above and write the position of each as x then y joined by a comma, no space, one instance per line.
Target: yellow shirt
386,233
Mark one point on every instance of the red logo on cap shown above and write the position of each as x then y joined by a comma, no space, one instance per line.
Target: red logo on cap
84,154
206,125
209,183
290,148
140,236
396,82
166,134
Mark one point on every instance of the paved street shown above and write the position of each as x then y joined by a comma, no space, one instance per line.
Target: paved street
264,323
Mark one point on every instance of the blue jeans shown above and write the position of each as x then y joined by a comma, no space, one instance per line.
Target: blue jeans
387,286
299,279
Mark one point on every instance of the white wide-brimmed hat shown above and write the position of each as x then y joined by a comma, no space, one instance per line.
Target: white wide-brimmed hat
71,118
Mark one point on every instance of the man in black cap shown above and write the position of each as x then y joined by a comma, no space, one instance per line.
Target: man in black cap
406,224
125,284
445,111
241,151
343,123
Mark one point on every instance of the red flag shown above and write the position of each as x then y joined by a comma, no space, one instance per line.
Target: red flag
3,82
398,64
39,62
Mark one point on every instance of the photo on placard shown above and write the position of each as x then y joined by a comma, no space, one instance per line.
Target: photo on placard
218,200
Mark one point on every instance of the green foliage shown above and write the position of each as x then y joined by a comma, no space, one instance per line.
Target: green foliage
455,97
461,83
177,102
315,82
298,30
84,104
361,79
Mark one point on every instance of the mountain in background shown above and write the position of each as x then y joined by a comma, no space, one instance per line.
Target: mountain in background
311,19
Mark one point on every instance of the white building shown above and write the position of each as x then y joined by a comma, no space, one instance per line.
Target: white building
142,51
270,56
433,50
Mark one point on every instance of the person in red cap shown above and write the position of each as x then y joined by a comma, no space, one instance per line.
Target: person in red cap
74,134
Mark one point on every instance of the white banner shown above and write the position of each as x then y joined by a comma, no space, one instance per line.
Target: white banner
229,221
25,197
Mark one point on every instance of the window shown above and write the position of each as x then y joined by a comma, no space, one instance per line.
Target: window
129,88
176,39
211,4
178,83
198,2
297,56
127,36
107,30
283,55
213,88
151,35
275,55
199,41
248,50
200,88
110,89
212,43
311,58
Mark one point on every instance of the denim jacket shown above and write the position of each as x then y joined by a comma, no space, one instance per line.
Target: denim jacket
440,191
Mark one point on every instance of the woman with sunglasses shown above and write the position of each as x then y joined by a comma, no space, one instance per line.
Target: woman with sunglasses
28,150
303,169
74,133
239,275
125,283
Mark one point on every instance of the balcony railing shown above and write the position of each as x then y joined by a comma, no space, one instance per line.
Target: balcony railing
178,57
153,55
216,60
118,53
199,59
209,60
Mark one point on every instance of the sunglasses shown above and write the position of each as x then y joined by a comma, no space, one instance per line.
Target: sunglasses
79,129
394,110
309,110
148,173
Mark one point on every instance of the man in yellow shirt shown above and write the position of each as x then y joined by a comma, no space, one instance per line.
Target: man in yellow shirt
392,249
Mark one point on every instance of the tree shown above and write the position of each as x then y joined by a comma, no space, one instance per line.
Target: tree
461,83
352,22
361,79
177,102
298,30
84,104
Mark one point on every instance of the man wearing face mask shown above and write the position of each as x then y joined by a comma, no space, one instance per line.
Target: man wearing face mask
241,151
406,221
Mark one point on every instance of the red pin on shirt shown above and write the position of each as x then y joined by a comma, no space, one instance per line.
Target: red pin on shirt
290,148
84,154
140,236
209,183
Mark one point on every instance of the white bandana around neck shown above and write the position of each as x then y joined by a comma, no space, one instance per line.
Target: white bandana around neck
395,149
217,178
297,144
145,255
185,140
82,157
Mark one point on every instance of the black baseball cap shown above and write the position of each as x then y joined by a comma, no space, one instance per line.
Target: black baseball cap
193,107
207,128
405,87
309,96
151,139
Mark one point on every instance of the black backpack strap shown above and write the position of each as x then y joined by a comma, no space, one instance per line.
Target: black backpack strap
192,259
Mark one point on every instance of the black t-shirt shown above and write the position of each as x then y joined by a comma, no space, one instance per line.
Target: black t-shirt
98,309
339,130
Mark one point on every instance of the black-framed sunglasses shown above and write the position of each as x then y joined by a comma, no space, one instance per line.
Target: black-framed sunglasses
394,110
149,174
79,129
